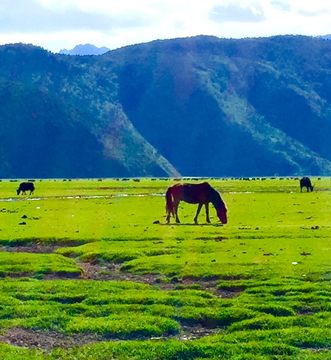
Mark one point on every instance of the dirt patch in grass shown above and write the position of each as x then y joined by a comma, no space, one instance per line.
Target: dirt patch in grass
46,339
42,276
229,292
38,247
195,332
50,339
110,271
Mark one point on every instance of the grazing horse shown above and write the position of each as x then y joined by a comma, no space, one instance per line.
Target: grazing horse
305,182
25,186
201,194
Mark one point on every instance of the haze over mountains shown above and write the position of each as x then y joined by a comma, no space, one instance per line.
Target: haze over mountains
200,106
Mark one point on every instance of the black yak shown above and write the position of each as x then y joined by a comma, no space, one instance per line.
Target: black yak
305,182
25,186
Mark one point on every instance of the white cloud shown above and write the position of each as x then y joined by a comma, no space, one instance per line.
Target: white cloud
315,13
281,5
228,13
31,16
56,24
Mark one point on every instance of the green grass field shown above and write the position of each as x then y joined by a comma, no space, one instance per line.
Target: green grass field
90,270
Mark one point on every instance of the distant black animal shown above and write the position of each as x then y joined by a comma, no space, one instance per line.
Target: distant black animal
25,186
305,182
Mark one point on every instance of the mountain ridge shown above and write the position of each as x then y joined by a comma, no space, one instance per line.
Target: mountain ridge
86,49
199,106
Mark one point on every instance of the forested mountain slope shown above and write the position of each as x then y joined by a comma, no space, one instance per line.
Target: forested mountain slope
200,106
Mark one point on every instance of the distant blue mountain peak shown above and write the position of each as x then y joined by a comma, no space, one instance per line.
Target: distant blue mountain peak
87,49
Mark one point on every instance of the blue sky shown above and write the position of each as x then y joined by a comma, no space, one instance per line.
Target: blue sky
58,24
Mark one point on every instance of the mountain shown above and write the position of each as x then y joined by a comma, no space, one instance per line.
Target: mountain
86,49
326,37
199,106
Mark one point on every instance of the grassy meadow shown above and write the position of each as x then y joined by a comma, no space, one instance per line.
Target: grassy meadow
90,270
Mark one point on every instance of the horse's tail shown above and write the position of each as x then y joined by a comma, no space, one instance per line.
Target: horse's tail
169,202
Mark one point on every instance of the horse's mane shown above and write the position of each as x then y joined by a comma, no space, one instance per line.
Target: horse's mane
216,199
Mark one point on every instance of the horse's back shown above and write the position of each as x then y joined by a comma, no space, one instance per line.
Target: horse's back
196,193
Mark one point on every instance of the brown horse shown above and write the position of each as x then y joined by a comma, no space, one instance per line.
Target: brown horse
201,194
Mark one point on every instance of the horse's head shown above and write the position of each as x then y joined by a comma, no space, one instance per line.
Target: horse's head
219,206
18,191
221,213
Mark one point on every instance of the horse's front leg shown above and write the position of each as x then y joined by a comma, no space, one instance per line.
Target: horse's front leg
197,214
207,213
176,203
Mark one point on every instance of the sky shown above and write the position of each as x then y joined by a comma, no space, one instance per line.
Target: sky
59,24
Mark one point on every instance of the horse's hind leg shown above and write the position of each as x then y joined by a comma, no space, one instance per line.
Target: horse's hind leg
168,217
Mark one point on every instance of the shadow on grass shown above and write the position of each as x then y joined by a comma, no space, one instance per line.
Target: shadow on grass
192,224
